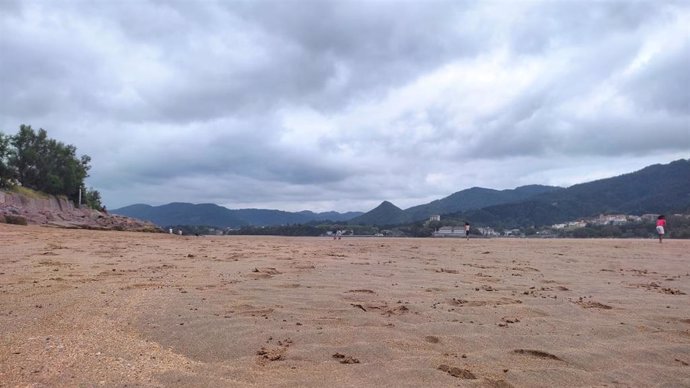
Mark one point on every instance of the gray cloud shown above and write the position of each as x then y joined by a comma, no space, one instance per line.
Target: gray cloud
550,25
665,83
340,105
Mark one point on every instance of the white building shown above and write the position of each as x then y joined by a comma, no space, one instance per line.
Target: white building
513,232
570,225
489,232
610,219
450,231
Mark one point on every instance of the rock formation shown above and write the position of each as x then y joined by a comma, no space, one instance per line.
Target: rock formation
58,211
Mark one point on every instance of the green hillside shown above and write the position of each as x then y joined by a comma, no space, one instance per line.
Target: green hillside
476,198
384,214
179,213
654,189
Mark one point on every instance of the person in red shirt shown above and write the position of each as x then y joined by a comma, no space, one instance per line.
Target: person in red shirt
660,226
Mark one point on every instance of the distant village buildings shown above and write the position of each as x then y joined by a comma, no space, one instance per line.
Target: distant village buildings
488,232
450,231
610,219
338,233
606,219
570,225
513,233
602,219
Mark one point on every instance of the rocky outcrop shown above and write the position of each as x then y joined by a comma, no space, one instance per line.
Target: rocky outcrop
58,211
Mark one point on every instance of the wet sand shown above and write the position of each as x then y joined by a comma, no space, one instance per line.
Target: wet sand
91,308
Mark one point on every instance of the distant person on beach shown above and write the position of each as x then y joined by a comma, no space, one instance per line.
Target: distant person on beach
467,230
660,226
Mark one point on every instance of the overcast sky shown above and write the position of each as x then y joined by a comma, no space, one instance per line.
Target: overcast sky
339,105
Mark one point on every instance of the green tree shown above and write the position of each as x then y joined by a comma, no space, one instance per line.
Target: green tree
92,198
435,225
47,165
25,157
6,171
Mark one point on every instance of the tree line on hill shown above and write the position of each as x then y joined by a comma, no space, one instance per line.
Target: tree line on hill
179,213
32,160
653,189
678,226
656,189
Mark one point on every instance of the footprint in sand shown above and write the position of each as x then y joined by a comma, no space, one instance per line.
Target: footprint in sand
478,303
290,285
363,291
264,273
274,353
589,304
345,359
267,270
506,321
396,311
671,291
498,384
537,353
432,339
457,372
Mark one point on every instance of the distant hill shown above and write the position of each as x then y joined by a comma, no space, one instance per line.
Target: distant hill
179,213
654,189
476,198
384,214
263,217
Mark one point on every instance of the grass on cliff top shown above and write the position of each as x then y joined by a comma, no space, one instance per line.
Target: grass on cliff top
28,192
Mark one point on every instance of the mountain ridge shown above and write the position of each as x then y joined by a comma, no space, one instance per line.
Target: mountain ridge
384,214
475,198
655,188
208,214
658,188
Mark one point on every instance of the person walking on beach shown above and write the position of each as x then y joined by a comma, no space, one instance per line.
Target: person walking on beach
467,230
660,226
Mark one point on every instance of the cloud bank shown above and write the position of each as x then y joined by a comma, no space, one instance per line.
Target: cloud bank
335,105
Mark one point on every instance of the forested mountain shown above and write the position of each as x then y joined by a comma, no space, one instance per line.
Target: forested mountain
384,214
476,198
213,215
654,189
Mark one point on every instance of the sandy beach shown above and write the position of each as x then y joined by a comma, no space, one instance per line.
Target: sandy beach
94,308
